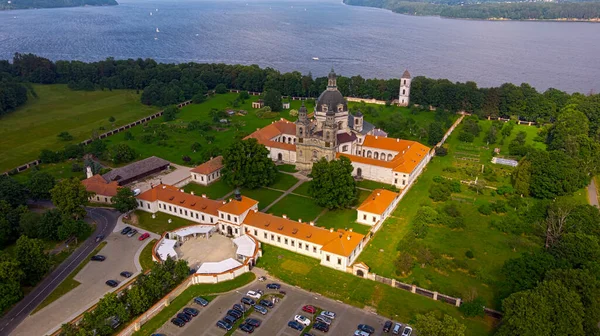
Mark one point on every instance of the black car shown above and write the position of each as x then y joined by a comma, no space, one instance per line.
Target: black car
266,303
273,286
253,322
239,307
99,238
247,328
126,230
112,283
248,301
126,274
224,325
321,326
178,322
229,319
235,313
201,301
98,257
366,328
387,326
184,317
190,311
307,334
296,325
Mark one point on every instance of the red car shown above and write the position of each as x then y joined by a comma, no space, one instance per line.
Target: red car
309,309
144,236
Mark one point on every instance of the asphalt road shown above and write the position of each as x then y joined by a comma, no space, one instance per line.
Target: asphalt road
105,220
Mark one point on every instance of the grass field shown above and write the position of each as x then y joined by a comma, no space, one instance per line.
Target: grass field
34,126
290,168
342,219
160,224
207,291
296,207
366,184
214,191
303,189
394,303
262,195
146,256
61,170
284,181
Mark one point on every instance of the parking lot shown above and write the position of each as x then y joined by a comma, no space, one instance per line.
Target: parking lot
275,322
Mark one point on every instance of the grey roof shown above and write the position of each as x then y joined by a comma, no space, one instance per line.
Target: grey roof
135,169
367,126
406,74
380,132
345,137
359,114
331,98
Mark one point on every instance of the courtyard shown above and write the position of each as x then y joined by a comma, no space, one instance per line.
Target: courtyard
198,250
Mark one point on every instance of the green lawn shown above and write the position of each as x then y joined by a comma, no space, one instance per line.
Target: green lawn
296,207
207,291
69,283
371,185
283,181
213,191
35,125
262,195
362,196
298,270
160,224
342,219
290,168
146,256
60,171
303,189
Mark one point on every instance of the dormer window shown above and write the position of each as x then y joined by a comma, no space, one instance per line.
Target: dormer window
324,108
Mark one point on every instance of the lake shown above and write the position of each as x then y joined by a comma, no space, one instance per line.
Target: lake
287,34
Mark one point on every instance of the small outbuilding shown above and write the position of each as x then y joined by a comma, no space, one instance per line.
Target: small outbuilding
286,105
258,104
208,172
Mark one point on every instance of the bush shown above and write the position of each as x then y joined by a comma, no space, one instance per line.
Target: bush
221,88
439,192
473,308
451,209
441,151
186,159
48,156
76,167
198,98
111,119
499,206
469,254
170,113
420,229
128,136
505,190
485,209
64,136
466,136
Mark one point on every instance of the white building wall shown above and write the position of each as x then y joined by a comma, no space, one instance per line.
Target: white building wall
286,155
367,218
374,173
388,154
205,180
101,199
181,212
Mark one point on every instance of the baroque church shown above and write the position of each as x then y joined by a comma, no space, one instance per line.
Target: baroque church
332,131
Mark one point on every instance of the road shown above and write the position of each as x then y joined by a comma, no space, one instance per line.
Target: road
105,220
593,193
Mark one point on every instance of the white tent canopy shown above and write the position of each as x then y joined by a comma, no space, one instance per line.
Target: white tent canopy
218,267
167,249
190,230
245,246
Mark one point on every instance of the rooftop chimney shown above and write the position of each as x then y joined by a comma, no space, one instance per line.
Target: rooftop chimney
312,223
164,187
191,192
299,220
348,237
203,195
88,172
398,140
350,229
181,190
284,216
238,195
331,230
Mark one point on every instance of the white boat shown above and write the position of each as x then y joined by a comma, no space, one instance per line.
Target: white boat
315,58
150,13
158,31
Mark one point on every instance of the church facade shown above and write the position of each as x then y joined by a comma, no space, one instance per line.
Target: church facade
333,132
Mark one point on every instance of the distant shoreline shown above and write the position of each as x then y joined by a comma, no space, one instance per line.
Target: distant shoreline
41,4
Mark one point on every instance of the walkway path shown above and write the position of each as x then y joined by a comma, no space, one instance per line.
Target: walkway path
592,190
287,192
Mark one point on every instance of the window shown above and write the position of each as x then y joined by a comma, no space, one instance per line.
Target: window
223,226
170,209
256,232
339,261
222,216
106,200
373,218
236,231
355,121
186,212
148,205
292,242
307,247
395,181
235,219
196,215
314,249
285,241
403,91
299,245
195,177
202,178
97,198
364,217
211,219
327,257
272,237
403,182
229,218
345,148
180,211
203,218
265,235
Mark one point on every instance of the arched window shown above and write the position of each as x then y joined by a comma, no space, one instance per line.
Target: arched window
403,91
300,130
376,155
369,154
314,156
340,124
324,108
345,148
389,158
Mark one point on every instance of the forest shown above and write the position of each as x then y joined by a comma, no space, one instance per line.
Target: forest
483,10
27,4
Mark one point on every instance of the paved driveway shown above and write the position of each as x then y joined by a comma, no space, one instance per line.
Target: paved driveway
170,177
120,253
275,322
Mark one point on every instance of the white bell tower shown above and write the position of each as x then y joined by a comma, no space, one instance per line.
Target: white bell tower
404,94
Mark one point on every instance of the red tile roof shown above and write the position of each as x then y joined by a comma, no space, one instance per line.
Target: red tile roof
172,195
265,134
378,201
237,208
98,185
209,166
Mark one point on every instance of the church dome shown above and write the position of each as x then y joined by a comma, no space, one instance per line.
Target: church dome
331,98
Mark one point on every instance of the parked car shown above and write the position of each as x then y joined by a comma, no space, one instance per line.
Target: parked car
131,233
112,283
229,319
224,325
361,333
302,319
136,192
99,238
407,331
235,313
397,329
323,319
239,307
201,301
309,309
261,309
144,236
366,328
321,327
266,303
191,311
262,278
98,257
307,334
178,322
248,301
126,230
247,328
253,294
184,317
253,322
296,325
329,314
273,286
126,274
387,326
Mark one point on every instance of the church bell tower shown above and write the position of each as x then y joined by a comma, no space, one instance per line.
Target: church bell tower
404,94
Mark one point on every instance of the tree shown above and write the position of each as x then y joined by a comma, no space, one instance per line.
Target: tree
474,307
138,300
435,133
555,224
577,248
549,309
40,185
430,325
199,98
72,228
273,100
70,197
404,264
122,153
124,201
246,163
29,224
10,293
196,146
333,185
170,113
526,271
64,136
50,222
221,88
111,119
34,262
11,191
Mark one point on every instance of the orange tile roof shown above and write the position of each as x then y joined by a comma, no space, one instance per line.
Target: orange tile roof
209,166
410,153
237,208
265,134
98,185
378,201
333,242
172,195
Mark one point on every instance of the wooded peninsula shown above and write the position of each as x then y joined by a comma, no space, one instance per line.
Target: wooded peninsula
31,4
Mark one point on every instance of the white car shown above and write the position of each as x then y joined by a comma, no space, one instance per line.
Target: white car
407,331
361,333
302,320
253,294
329,314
